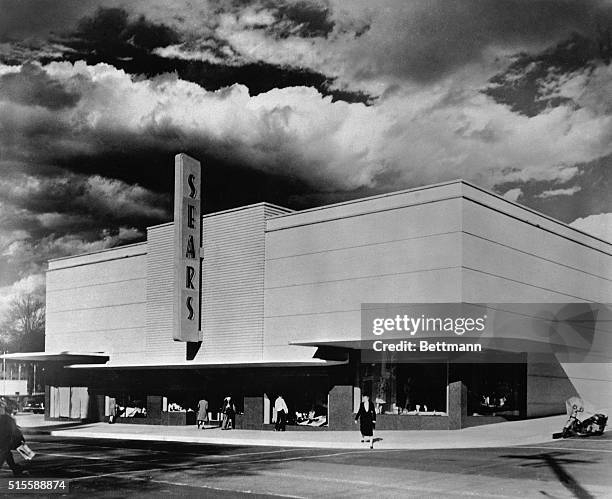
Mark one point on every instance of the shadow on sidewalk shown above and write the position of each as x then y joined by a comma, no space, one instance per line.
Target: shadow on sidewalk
48,428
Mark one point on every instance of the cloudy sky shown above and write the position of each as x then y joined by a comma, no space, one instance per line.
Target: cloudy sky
300,103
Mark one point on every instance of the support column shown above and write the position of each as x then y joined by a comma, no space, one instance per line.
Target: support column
340,408
95,407
457,405
47,401
253,417
154,409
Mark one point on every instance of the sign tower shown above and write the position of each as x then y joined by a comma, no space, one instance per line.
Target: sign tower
187,243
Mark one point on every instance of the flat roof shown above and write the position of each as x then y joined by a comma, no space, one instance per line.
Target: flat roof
105,255
434,193
101,251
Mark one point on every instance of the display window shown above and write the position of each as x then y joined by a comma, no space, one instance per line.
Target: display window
405,389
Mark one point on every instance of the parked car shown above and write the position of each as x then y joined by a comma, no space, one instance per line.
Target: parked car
34,406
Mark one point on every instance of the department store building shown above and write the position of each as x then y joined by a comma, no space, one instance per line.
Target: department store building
273,305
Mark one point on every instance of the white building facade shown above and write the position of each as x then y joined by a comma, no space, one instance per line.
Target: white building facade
281,309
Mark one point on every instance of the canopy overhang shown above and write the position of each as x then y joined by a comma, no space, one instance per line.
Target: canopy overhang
212,365
59,357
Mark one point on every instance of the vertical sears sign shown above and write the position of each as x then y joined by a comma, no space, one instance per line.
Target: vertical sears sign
187,241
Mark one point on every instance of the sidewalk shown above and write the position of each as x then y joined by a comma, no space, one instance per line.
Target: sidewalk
35,424
496,435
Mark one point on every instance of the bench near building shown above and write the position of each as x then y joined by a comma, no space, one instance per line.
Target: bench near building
278,311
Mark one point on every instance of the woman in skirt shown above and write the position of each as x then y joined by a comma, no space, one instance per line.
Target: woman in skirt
367,419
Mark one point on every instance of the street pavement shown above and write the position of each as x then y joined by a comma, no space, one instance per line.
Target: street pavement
124,468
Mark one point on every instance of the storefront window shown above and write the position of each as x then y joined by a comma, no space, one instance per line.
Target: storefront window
405,388
131,405
307,404
493,389
309,408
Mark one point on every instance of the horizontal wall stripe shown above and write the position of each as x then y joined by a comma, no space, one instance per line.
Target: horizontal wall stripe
138,280
100,307
359,278
110,330
539,257
501,277
364,245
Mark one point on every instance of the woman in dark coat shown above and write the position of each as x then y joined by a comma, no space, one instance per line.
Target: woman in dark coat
367,419
229,413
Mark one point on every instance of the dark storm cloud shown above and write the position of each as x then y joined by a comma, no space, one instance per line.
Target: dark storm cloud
273,148
525,85
420,40
43,142
303,19
112,37
21,19
54,216
228,182
424,40
84,196
586,193
111,29
33,86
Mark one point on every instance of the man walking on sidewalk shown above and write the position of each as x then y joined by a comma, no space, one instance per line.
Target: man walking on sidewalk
281,413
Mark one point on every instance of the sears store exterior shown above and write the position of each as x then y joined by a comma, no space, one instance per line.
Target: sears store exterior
275,309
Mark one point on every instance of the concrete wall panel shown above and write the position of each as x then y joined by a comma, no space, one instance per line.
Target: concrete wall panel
572,250
97,306
533,270
292,238
372,260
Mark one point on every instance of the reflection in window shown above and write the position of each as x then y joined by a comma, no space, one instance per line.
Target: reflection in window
406,388
307,402
493,389
131,405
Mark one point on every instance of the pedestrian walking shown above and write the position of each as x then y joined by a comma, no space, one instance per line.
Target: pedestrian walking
112,410
202,413
229,413
367,419
11,437
281,413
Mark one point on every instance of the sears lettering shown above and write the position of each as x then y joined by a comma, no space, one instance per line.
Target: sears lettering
190,253
191,216
190,273
190,308
192,188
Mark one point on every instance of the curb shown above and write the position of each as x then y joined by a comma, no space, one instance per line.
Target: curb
265,442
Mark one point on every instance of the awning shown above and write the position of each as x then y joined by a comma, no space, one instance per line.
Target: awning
59,357
354,344
212,365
